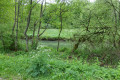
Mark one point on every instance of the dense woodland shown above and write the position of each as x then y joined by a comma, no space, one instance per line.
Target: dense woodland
62,40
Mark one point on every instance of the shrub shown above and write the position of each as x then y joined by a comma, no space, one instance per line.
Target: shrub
39,65
63,49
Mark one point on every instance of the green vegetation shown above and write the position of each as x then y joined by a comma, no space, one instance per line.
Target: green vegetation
53,33
62,40
51,65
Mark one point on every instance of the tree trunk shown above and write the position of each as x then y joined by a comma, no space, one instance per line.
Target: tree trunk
14,20
28,22
60,29
114,35
89,19
119,23
41,13
35,23
76,46
16,40
40,22
119,12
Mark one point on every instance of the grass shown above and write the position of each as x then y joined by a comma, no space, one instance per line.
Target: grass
53,33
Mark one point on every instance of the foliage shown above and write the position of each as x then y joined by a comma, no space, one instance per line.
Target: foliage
42,64
13,66
5,37
6,11
39,65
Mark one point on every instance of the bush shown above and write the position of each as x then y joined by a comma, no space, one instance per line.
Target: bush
43,64
39,65
7,42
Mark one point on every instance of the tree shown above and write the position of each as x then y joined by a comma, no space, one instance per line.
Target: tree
14,19
16,40
6,9
6,17
28,23
62,10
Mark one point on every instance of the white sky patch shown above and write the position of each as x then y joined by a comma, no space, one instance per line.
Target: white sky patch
48,1
53,1
92,0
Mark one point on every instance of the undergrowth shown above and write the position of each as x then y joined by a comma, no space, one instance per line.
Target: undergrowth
46,64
